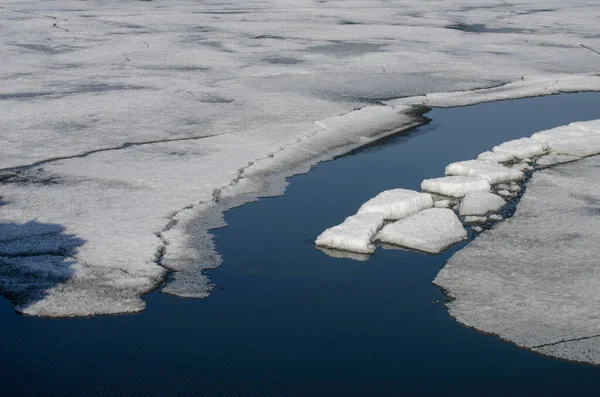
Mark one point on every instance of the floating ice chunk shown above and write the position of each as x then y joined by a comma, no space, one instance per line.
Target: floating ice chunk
442,204
514,187
477,229
504,193
492,171
455,186
533,280
431,230
496,217
480,203
354,234
553,158
397,203
522,148
475,219
499,157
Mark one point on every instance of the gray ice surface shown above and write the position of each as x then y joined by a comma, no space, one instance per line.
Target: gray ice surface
534,278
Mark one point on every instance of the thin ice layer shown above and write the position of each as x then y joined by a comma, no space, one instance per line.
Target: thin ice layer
480,203
455,186
521,148
397,203
533,279
492,171
431,231
355,234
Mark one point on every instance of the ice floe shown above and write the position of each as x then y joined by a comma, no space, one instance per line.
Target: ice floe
480,203
355,234
533,279
397,203
455,186
431,231
492,171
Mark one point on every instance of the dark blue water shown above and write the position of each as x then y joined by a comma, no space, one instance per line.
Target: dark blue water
291,321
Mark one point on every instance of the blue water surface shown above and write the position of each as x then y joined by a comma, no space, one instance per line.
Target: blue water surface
288,320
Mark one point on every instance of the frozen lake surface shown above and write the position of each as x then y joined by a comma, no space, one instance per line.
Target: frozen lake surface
287,319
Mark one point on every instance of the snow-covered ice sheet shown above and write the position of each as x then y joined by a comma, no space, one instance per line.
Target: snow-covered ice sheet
480,203
432,231
181,110
355,234
397,203
533,279
455,186
490,170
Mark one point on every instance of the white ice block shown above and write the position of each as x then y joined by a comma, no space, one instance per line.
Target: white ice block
455,186
354,234
431,230
522,148
480,203
397,203
492,171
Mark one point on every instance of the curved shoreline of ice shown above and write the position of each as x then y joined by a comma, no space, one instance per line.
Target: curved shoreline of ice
533,279
262,177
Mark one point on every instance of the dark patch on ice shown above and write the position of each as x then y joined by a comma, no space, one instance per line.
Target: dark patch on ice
215,99
81,89
176,68
282,60
212,43
34,258
346,22
535,11
28,177
553,45
345,49
225,12
48,50
24,95
104,87
269,36
482,28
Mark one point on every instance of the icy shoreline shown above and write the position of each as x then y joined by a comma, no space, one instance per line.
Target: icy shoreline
187,109
532,280
260,178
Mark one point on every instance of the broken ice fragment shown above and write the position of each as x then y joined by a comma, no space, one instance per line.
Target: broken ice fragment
397,203
431,231
354,234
